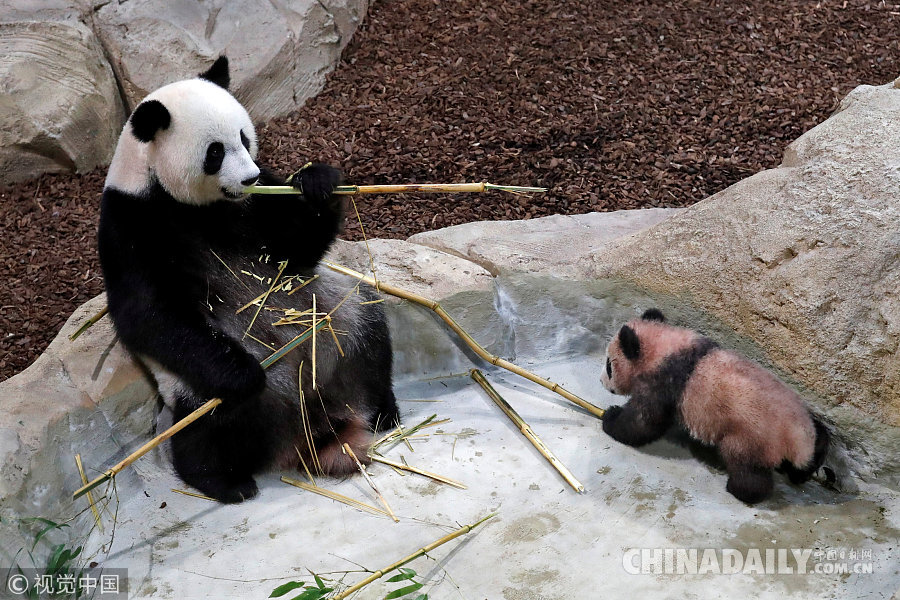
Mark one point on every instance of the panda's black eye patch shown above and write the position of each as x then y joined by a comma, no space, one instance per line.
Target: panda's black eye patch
245,141
215,154
608,368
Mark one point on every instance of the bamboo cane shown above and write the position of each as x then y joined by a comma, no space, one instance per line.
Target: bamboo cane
208,406
87,324
418,471
469,340
526,430
90,496
420,552
417,188
371,483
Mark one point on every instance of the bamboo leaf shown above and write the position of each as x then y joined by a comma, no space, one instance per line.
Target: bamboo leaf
413,587
284,588
404,575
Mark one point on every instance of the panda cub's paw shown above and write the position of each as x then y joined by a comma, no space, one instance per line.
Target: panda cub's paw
317,182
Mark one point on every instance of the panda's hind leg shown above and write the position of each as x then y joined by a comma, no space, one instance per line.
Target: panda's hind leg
215,455
749,483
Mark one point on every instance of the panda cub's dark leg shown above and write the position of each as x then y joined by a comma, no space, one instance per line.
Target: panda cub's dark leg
214,456
641,420
749,483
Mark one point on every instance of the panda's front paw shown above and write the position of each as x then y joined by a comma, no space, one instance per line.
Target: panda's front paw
244,381
609,417
317,182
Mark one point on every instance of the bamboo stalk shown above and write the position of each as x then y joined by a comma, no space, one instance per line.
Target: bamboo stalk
90,496
87,324
281,352
334,496
469,340
417,471
112,472
371,483
403,561
526,430
417,188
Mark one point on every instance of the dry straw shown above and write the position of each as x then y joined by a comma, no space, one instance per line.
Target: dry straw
334,496
349,451
526,430
468,339
420,552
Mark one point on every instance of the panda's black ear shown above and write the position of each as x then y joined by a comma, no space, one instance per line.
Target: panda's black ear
629,342
653,314
148,118
218,73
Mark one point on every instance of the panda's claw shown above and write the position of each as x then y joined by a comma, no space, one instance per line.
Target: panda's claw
317,182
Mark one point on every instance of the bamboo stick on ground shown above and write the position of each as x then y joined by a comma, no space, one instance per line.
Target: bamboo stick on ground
420,552
417,188
207,407
469,340
87,324
371,483
417,471
90,496
526,430
334,496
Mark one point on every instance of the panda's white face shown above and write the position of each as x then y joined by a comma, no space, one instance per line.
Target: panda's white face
202,151
207,153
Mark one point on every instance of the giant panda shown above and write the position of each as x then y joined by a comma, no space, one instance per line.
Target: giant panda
182,248
676,375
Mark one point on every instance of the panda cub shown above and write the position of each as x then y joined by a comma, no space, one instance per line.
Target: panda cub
183,249
722,399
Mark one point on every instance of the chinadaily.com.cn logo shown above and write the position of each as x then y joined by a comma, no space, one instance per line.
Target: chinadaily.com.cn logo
751,561
100,584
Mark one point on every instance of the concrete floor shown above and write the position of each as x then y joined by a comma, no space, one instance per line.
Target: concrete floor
547,541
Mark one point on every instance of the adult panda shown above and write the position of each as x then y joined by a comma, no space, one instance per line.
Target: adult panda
675,375
182,249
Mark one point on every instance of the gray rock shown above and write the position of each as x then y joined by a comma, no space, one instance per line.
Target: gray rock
280,51
804,261
59,105
550,245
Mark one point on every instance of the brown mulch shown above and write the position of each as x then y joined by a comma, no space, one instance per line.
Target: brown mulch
610,104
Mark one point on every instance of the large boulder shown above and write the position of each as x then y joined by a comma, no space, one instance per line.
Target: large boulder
803,259
280,51
72,70
59,105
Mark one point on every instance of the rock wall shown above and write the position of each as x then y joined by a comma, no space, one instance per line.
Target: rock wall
72,70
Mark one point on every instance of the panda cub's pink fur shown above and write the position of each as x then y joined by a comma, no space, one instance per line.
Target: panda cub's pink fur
676,375
735,404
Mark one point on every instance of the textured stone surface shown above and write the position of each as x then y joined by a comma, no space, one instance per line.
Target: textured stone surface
71,70
85,397
550,245
804,259
280,51
59,106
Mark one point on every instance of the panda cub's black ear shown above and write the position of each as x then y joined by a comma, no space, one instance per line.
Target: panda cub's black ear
148,118
629,342
653,314
218,73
